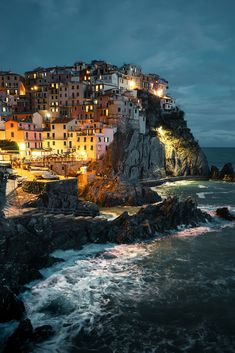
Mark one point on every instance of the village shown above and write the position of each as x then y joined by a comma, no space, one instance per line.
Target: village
59,119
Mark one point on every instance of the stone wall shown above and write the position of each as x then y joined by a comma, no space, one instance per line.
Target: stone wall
3,181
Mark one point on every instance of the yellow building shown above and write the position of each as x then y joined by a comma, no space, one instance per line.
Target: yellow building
2,135
60,127
46,140
83,143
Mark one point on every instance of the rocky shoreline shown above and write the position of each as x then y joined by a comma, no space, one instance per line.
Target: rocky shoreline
27,242
225,174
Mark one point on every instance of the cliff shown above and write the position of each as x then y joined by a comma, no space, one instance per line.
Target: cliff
167,149
182,153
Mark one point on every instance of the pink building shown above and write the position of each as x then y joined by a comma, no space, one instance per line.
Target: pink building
103,139
32,138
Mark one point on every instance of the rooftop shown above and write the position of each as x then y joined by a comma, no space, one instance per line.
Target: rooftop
61,120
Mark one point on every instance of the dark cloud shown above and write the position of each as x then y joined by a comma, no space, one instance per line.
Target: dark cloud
190,43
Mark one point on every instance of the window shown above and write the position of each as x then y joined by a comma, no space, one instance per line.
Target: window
53,143
99,139
53,127
91,139
64,143
12,125
92,148
65,135
84,139
85,147
12,134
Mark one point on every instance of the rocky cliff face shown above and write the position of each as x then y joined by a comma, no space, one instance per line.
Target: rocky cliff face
136,156
167,149
182,153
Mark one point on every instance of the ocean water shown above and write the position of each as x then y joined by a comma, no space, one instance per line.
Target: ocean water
220,156
176,294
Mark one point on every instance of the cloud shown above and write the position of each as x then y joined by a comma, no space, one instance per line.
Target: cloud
190,43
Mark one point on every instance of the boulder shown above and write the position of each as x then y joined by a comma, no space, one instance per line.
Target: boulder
20,341
224,213
227,172
214,173
116,192
42,333
11,308
25,337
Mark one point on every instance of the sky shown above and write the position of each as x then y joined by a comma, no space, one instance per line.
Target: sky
191,43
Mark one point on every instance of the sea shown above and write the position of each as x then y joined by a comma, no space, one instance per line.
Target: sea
174,294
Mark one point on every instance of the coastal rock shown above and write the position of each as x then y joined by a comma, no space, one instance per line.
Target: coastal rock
224,213
116,192
20,340
42,333
214,173
226,174
155,219
144,158
25,337
182,153
11,308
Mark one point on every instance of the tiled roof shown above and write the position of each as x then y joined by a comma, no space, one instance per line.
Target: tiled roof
61,120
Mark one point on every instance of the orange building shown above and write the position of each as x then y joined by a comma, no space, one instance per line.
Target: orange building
13,132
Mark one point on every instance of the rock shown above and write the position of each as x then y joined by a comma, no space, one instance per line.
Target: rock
154,219
42,333
11,308
227,172
214,173
224,213
21,340
182,154
25,337
115,192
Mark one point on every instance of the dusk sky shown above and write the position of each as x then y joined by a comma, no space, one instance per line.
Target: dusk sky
191,43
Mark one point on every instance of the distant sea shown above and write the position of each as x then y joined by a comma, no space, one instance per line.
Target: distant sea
219,156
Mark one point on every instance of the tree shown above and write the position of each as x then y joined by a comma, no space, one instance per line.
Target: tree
9,145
